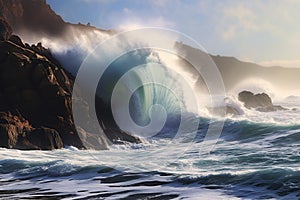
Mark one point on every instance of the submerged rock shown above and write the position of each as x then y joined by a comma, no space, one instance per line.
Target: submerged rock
227,110
261,102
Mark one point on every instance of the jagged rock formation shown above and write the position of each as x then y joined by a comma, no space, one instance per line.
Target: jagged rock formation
31,15
16,132
261,102
35,100
36,17
5,30
255,100
36,91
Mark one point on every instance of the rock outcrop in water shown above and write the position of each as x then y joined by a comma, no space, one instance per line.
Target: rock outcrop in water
261,102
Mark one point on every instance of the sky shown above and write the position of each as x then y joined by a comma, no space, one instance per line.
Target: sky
262,31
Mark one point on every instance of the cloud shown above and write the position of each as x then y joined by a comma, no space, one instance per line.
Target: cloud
243,16
160,3
259,30
256,29
282,63
229,33
234,18
134,23
127,11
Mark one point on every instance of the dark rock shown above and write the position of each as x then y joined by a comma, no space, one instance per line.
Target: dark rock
66,126
232,111
12,127
32,15
229,110
33,82
15,119
30,100
37,18
16,132
5,30
28,84
95,137
109,126
9,135
40,90
44,52
45,139
17,40
254,101
270,108
261,102
117,136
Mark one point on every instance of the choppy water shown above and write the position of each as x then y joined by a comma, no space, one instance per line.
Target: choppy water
252,160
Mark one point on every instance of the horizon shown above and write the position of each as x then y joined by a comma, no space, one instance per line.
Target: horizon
227,28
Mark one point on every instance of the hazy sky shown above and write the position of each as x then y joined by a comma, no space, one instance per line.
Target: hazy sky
265,32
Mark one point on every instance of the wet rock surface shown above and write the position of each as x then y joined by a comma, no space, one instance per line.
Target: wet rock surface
39,93
36,101
261,102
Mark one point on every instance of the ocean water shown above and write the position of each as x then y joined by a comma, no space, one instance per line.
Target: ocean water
256,157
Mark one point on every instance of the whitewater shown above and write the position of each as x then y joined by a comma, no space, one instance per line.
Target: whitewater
257,155
253,159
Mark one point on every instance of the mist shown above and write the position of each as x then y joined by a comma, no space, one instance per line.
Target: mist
71,47
238,75
76,42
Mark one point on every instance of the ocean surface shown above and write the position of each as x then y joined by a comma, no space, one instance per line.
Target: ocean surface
256,157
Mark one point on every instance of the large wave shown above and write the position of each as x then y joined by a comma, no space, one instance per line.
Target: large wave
155,85
72,51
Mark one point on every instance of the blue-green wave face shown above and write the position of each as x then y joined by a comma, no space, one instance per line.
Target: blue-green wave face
148,95
117,69
149,83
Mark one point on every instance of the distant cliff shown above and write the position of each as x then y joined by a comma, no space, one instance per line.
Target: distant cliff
234,71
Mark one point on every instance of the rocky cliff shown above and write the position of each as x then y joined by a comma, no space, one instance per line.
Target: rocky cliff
36,98
31,15
36,17
234,71
35,103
